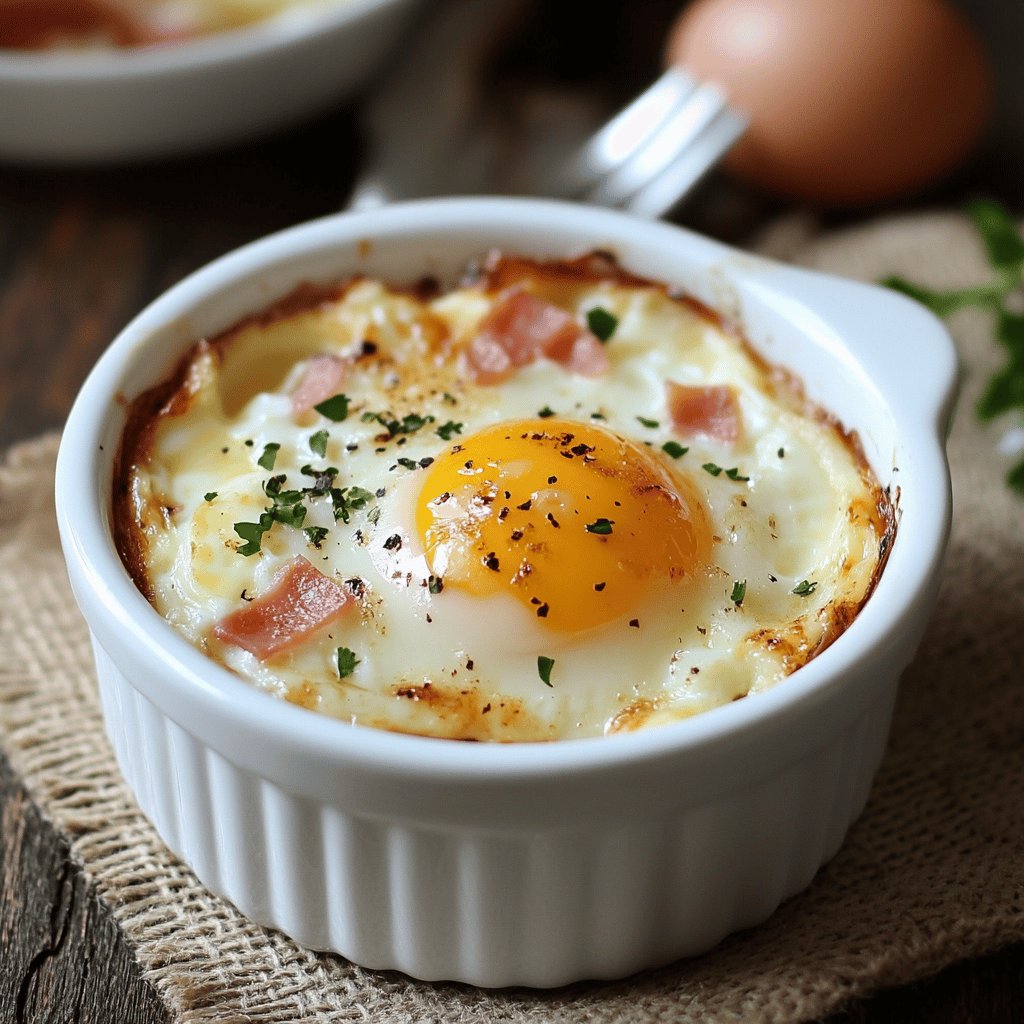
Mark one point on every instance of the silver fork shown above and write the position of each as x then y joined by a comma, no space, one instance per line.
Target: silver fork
649,156
433,131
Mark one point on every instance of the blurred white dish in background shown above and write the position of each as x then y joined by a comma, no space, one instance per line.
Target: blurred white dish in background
92,105
103,24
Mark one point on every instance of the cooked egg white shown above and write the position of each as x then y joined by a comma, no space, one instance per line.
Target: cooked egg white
534,559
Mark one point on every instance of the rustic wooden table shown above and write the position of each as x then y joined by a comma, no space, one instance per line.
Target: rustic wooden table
80,253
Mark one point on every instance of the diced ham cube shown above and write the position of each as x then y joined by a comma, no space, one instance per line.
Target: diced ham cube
321,379
711,411
300,600
488,360
587,357
520,329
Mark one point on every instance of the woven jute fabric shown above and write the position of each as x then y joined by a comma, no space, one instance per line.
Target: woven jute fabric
933,871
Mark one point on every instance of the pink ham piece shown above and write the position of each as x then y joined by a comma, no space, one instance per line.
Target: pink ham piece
521,328
711,411
586,356
300,600
321,380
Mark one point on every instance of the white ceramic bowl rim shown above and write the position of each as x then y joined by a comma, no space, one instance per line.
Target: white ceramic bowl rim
260,38
913,562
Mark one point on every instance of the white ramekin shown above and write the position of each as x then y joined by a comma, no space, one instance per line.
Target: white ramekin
518,864
84,107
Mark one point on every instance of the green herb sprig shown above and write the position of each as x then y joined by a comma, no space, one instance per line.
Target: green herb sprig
269,456
601,323
345,659
1004,247
544,667
318,443
288,507
334,408
406,425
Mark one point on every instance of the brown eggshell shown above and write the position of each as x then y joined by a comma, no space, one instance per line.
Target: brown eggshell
849,102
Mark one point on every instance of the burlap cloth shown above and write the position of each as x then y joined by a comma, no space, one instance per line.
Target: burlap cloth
933,872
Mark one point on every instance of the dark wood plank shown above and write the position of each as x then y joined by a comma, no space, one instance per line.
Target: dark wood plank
62,956
985,991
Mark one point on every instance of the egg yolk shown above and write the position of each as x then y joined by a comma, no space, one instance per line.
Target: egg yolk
572,520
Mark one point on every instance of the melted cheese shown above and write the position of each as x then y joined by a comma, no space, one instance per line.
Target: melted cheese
783,544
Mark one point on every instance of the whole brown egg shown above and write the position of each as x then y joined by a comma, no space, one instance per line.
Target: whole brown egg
850,101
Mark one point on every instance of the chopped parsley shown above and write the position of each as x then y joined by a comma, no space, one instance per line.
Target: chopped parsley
739,591
323,480
406,425
803,588
290,515
546,412
334,408
252,534
269,456
601,323
358,497
732,474
648,423
448,430
674,448
346,500
412,423
409,463
346,661
318,443
273,488
315,535
435,584
287,506
544,667
209,495
600,526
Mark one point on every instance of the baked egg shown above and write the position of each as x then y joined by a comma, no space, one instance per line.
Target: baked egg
555,501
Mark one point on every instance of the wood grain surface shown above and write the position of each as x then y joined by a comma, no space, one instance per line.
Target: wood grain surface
80,253
62,956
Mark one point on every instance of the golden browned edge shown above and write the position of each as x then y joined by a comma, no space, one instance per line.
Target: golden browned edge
496,273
